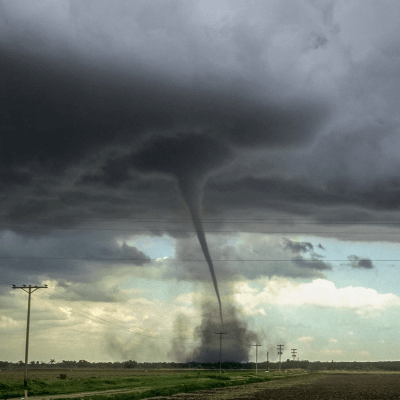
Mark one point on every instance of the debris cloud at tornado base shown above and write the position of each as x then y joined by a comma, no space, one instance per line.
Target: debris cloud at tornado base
236,343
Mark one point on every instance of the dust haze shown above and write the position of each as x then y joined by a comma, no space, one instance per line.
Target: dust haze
236,343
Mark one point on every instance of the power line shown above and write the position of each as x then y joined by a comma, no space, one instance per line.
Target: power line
101,312
151,334
104,322
190,260
134,329
97,319
208,220
87,315
166,230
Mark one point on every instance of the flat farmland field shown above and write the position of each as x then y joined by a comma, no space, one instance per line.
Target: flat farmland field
126,383
196,385
333,386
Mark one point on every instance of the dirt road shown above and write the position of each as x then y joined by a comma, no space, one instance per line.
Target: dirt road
81,395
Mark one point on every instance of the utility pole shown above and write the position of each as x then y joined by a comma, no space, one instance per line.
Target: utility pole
294,354
280,352
28,289
256,354
267,361
220,348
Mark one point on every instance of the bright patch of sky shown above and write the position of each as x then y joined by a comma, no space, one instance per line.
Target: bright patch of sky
154,246
157,289
383,277
321,320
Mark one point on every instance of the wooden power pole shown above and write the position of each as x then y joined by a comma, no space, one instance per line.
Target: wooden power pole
257,345
280,352
220,348
28,289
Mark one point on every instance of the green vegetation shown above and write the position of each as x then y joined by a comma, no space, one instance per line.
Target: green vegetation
141,384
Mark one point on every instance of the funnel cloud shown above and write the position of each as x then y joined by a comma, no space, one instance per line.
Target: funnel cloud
188,157
193,203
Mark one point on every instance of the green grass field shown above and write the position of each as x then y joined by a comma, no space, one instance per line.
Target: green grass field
142,383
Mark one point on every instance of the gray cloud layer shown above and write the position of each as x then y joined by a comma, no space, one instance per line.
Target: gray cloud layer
251,257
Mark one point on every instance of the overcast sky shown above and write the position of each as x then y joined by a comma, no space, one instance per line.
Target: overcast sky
276,121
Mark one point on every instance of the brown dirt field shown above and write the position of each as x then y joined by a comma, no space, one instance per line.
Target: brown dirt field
340,386
312,387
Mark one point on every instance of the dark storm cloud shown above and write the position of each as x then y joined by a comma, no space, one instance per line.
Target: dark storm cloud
362,263
61,103
61,119
314,264
78,106
298,247
355,166
252,190
75,257
105,106
185,155
302,196
54,115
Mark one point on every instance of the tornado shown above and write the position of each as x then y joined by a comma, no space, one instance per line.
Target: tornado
189,158
192,195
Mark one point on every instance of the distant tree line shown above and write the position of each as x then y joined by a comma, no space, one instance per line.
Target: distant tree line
288,364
